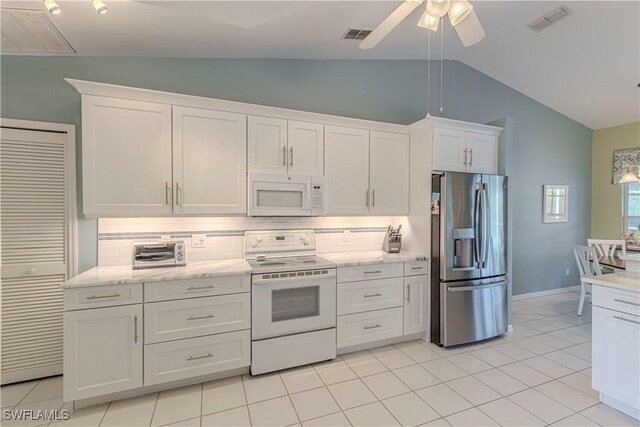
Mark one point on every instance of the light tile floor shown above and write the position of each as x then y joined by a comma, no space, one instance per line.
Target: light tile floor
538,375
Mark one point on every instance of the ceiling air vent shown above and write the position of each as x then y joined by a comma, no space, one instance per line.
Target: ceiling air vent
356,34
550,18
29,32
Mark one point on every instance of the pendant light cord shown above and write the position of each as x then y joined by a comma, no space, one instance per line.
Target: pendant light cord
441,60
428,72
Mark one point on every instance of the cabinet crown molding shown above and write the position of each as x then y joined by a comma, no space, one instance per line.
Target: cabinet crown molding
443,122
85,87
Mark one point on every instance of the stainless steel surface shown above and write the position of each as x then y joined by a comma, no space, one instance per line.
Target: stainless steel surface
135,328
170,253
373,327
284,156
469,251
366,197
177,195
626,320
473,311
372,295
470,156
208,316
103,296
291,156
190,358
373,198
200,288
465,157
167,190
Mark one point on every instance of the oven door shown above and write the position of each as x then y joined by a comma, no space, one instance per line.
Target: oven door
279,195
300,303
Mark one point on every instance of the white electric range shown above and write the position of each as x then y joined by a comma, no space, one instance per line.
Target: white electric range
293,300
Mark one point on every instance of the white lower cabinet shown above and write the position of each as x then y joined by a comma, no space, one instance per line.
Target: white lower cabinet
370,326
356,297
102,351
176,360
415,304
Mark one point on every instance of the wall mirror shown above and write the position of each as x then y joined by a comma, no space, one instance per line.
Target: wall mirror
555,203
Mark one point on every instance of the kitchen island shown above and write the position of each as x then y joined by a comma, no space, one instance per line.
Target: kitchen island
616,340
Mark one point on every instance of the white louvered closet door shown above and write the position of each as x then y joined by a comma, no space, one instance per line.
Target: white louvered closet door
34,252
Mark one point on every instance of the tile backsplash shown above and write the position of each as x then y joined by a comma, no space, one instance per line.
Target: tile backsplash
225,235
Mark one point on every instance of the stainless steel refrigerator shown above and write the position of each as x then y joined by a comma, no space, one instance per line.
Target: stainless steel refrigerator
469,257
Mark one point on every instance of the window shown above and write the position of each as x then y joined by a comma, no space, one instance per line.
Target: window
632,207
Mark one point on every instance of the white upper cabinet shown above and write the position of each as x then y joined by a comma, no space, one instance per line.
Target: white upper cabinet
209,161
464,151
267,144
287,147
389,173
346,156
126,157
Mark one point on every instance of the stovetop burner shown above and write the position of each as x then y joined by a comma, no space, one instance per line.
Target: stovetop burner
294,263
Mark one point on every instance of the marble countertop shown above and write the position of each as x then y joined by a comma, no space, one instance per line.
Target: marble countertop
630,257
625,280
124,274
351,259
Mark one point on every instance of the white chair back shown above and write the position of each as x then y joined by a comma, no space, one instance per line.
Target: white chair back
587,260
607,247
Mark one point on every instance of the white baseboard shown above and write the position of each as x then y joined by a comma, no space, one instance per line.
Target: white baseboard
544,293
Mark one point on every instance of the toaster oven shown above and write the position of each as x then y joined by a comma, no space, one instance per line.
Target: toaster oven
170,253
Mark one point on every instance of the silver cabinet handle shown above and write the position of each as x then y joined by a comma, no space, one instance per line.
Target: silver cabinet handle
135,329
465,157
208,316
190,358
373,327
284,156
372,295
103,296
200,288
373,272
417,268
366,197
627,320
409,293
373,198
470,156
627,302
167,190
177,194
290,156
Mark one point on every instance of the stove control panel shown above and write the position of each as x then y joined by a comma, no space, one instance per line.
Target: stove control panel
280,241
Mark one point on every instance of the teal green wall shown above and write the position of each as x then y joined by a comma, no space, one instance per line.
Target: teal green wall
548,147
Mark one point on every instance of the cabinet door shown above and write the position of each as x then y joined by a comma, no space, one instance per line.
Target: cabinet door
389,173
209,161
102,351
449,147
616,350
267,144
126,157
346,157
415,304
481,153
306,148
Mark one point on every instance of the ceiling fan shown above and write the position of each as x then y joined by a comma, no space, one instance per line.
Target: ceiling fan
461,14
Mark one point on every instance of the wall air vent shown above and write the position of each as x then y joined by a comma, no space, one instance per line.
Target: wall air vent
356,34
30,32
550,18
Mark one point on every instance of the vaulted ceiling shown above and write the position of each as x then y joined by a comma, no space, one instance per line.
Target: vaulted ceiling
586,66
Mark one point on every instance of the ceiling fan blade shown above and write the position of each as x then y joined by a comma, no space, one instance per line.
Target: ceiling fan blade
391,21
470,30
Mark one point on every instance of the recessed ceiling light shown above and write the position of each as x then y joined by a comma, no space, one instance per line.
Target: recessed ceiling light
52,7
101,8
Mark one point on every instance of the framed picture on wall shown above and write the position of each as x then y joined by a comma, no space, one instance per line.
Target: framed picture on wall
555,203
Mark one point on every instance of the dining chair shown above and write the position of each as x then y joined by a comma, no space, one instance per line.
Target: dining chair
607,247
588,265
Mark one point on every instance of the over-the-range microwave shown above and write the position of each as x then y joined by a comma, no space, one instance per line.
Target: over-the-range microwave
285,195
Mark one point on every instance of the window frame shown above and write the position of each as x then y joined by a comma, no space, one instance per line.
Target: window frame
625,207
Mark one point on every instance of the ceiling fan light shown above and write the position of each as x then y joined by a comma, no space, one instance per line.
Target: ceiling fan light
429,22
470,30
459,10
52,7
100,7
438,8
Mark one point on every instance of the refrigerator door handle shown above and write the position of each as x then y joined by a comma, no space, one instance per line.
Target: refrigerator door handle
485,240
476,226
476,287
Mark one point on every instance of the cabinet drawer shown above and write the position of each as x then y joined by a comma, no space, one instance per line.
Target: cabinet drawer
361,328
416,268
617,299
173,320
192,357
356,297
367,272
179,289
102,296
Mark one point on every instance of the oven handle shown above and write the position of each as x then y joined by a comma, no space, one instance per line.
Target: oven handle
257,279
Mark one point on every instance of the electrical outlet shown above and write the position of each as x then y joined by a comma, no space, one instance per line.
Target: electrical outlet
346,236
198,240
567,271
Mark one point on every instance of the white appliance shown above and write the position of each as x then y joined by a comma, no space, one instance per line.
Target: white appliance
167,253
285,195
293,300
